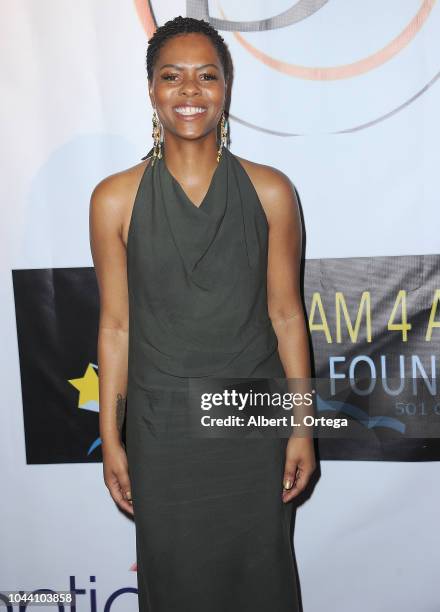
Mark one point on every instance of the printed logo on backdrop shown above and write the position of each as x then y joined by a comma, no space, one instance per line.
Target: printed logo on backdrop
375,323
325,88
57,313
370,319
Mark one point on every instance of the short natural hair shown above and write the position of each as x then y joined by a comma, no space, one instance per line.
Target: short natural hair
186,25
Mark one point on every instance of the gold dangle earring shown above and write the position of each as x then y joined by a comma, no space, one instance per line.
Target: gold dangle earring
223,135
157,152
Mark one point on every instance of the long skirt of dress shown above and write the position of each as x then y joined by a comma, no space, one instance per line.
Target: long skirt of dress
212,532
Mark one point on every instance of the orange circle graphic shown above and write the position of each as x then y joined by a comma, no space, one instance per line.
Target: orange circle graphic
346,71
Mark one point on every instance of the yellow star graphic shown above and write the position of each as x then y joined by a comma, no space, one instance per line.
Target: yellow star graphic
88,386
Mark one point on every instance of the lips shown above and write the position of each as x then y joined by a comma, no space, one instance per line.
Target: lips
189,111
189,105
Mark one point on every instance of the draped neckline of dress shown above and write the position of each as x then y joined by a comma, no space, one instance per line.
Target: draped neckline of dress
195,229
203,206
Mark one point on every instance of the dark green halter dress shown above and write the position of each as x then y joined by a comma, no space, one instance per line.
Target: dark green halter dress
212,532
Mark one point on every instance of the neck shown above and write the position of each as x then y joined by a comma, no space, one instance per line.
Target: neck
190,158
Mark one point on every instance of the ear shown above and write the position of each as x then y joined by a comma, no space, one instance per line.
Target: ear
150,94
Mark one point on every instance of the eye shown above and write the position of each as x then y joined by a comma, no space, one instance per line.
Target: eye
167,77
210,75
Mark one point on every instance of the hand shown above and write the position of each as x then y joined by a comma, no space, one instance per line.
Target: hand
300,465
116,475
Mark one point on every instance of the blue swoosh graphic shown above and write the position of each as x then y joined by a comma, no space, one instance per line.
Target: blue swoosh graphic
95,444
360,415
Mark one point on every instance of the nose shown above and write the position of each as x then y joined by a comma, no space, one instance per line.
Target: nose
189,86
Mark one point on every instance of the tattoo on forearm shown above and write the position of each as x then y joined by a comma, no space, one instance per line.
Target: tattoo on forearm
120,411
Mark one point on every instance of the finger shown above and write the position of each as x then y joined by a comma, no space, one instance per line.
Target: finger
117,495
300,483
290,471
290,484
124,482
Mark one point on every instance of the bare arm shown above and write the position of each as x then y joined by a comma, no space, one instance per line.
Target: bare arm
283,280
288,318
109,256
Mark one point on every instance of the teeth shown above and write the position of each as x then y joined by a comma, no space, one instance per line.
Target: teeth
190,110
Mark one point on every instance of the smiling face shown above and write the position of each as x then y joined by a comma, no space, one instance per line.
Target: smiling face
188,88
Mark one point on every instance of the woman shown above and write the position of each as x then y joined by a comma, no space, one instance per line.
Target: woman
197,255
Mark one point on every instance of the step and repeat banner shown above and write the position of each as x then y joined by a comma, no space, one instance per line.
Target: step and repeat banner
342,97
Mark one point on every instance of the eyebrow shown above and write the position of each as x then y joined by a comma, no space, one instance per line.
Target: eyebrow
180,67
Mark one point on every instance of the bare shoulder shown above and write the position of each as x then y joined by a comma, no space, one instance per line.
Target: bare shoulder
274,188
113,197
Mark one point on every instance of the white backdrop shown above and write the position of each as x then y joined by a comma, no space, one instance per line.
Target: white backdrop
75,109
